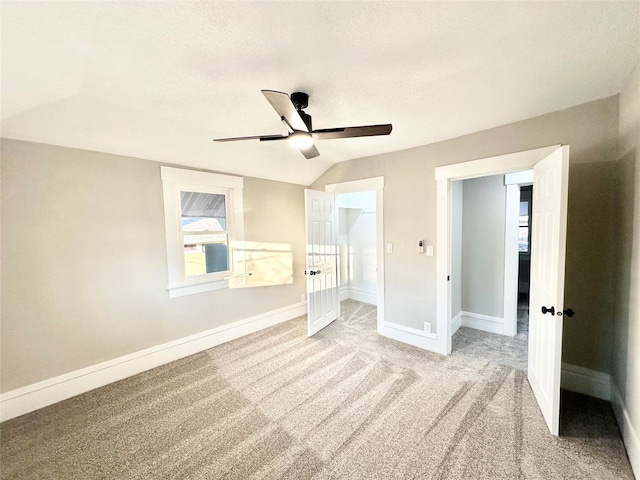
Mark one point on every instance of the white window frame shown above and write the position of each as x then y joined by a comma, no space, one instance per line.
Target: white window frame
176,180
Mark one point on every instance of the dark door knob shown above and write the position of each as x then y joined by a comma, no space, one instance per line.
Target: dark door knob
550,310
568,312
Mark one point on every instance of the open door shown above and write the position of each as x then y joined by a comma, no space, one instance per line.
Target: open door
549,230
323,304
551,177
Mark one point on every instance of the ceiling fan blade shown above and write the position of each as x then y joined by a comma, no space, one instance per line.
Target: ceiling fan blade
348,132
281,103
262,138
310,152
274,137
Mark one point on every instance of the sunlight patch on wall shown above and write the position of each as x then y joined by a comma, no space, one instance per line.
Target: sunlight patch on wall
265,264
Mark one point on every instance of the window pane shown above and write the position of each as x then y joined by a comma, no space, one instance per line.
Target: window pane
200,224
523,239
203,258
204,225
203,212
524,208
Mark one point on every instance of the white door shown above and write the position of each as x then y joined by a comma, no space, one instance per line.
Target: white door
549,228
323,304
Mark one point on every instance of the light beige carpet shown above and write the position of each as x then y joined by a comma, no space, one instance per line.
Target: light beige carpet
345,404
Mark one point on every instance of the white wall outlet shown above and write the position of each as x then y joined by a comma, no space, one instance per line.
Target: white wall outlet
429,250
389,247
427,327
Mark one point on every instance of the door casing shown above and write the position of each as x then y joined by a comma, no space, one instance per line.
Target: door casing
444,175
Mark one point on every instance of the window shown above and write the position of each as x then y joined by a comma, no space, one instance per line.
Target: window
524,232
204,226
203,223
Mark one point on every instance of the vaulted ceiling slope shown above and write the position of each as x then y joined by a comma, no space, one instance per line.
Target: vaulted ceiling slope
160,80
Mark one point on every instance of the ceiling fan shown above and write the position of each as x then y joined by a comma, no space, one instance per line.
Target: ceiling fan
298,123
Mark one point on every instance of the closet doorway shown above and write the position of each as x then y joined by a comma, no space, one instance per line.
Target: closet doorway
360,242
357,246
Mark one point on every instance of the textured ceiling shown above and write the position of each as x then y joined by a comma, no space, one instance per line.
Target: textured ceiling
160,80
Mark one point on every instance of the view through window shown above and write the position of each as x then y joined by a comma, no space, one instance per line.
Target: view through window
204,233
524,232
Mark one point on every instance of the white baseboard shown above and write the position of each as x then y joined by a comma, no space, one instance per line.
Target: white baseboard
47,392
456,323
359,294
412,336
629,435
583,380
483,322
364,296
344,293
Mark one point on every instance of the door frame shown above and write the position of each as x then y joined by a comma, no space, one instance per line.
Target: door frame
366,185
501,164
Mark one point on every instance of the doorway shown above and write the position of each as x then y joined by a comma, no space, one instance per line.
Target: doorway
524,257
360,205
490,266
490,251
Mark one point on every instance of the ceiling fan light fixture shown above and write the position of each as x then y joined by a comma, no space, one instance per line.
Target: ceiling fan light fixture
301,140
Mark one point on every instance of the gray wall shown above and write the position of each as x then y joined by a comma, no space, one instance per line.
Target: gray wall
626,361
410,214
83,253
483,225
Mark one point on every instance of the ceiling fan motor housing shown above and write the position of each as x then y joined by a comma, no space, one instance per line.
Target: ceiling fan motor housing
300,100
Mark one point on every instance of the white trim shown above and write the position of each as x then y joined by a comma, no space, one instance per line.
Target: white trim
511,258
486,323
507,163
587,381
411,330
411,336
630,437
456,323
175,180
53,390
443,262
444,175
344,293
525,177
358,294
